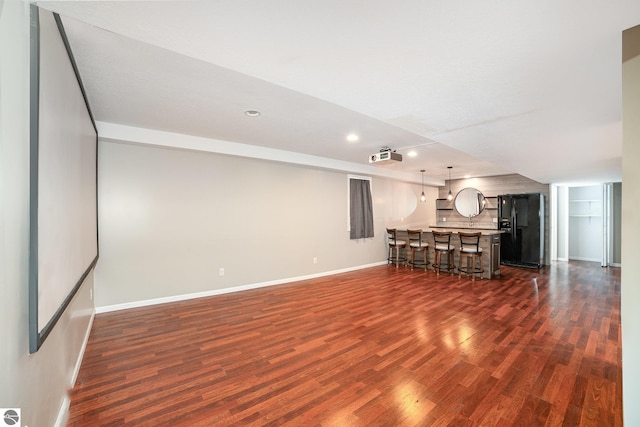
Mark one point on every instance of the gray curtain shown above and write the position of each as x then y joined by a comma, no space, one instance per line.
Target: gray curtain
361,212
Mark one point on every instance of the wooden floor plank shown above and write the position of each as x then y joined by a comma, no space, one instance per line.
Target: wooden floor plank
380,346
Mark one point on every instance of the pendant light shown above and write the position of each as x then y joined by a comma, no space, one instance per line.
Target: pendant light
449,196
423,198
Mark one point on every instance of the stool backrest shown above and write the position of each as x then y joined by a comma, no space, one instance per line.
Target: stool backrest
442,239
415,237
470,242
391,235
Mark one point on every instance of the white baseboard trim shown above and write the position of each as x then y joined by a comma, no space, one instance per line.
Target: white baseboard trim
614,264
175,298
585,259
76,369
63,413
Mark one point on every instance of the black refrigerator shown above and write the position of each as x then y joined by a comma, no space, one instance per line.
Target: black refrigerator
521,218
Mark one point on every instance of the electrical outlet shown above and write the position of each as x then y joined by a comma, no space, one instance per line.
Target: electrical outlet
444,219
315,260
221,272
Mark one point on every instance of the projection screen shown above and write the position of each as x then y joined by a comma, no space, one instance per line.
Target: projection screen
63,176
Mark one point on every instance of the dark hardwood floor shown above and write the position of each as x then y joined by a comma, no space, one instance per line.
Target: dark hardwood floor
375,347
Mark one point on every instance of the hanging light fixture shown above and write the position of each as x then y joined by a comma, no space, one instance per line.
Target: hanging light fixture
423,198
449,196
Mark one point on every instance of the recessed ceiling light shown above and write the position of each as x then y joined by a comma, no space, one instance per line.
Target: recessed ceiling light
412,153
252,113
352,137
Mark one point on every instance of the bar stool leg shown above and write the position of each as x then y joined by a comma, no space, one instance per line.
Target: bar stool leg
473,268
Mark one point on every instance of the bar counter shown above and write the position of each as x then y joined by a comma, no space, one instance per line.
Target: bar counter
489,242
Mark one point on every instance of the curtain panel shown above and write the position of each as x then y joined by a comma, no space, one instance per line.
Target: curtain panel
361,208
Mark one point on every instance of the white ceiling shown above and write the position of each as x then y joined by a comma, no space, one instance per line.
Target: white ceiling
492,87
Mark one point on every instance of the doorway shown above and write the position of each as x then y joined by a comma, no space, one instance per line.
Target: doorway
586,223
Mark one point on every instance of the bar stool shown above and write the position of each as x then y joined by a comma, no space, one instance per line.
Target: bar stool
471,251
442,246
397,245
417,245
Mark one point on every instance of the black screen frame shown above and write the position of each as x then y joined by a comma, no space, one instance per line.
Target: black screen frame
38,336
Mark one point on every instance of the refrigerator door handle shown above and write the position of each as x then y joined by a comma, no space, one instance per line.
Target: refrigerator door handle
513,220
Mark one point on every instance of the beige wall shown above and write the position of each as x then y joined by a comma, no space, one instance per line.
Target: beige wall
38,383
630,288
170,219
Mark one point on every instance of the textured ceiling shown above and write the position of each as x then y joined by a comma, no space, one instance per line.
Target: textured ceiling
493,87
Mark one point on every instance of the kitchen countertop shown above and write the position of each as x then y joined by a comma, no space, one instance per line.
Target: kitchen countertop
456,230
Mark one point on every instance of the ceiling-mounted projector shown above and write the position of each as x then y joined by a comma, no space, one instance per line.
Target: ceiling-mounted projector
385,156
